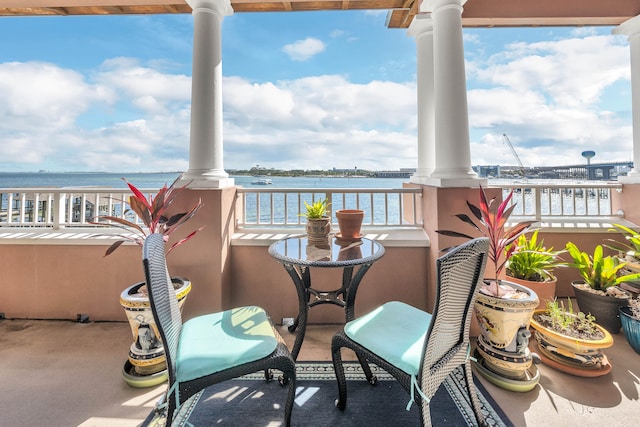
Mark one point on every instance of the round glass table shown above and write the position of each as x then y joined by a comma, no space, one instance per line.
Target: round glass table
297,256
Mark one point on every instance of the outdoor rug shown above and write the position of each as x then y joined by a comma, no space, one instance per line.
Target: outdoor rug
253,402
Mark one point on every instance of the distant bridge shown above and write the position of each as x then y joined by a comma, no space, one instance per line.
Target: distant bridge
593,171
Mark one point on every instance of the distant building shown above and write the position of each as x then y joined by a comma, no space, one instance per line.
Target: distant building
402,173
487,171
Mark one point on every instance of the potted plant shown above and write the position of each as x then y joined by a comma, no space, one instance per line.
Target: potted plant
503,309
630,318
628,251
571,341
350,224
318,224
531,264
598,292
146,364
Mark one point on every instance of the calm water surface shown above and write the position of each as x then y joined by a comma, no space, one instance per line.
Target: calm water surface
156,180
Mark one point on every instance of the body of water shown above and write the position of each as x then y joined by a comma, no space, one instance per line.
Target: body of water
157,180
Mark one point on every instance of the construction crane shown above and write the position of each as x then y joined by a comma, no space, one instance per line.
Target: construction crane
515,154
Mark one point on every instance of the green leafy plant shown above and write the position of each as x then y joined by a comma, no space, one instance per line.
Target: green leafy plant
153,213
490,218
631,246
316,210
531,260
598,271
568,322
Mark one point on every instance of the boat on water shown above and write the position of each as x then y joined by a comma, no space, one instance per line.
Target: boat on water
262,181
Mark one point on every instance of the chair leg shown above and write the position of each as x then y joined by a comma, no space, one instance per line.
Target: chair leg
425,413
290,376
473,394
171,408
336,357
372,379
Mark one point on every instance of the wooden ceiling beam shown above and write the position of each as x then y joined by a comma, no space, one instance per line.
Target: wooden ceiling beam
58,10
476,13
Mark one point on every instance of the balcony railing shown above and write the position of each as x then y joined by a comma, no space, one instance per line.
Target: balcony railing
397,207
538,201
275,207
59,208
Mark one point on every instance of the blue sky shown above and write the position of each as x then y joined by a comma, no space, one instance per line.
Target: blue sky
309,90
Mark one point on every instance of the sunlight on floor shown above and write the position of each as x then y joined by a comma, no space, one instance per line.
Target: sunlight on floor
109,422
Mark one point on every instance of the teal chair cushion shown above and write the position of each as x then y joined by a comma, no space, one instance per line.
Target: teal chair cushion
394,331
215,342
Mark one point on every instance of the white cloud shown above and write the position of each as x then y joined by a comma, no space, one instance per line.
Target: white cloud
554,99
548,96
303,50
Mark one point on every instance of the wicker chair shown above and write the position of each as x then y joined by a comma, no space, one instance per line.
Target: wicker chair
417,348
211,348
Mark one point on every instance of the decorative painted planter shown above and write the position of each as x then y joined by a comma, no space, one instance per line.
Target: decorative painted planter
546,291
504,356
146,353
605,308
350,223
318,230
631,328
500,319
581,357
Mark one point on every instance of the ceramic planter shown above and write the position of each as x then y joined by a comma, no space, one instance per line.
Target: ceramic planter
605,308
504,356
350,223
146,355
318,230
500,319
631,328
546,291
576,356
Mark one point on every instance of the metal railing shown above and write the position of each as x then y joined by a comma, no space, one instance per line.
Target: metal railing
276,207
397,207
64,207
540,200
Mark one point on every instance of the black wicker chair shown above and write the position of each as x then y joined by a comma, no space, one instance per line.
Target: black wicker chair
419,349
211,348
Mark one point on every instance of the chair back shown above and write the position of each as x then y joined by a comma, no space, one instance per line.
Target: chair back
162,297
459,275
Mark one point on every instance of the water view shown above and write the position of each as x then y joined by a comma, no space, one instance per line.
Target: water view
156,180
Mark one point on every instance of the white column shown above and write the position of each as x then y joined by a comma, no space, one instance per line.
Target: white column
206,160
452,147
631,28
422,29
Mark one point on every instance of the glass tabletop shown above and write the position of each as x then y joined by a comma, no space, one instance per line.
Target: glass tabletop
334,252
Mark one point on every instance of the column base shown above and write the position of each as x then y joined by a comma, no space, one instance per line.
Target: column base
467,182
206,179
632,178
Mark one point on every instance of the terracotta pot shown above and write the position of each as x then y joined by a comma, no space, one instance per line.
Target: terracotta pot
546,291
350,223
605,308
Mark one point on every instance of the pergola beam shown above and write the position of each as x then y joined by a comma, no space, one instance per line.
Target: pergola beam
477,13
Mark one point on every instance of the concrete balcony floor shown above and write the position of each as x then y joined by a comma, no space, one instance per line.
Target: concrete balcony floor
62,373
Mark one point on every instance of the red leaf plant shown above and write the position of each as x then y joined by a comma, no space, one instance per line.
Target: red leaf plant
491,220
153,213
